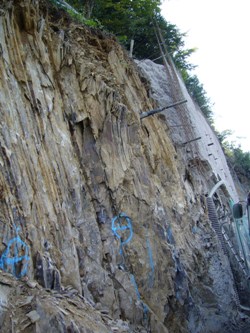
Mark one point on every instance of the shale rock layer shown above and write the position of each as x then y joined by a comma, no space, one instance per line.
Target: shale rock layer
102,230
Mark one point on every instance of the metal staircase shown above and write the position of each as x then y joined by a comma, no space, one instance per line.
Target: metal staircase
215,223
223,240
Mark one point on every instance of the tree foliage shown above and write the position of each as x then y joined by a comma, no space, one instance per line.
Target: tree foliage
124,18
146,45
222,136
238,159
78,10
197,91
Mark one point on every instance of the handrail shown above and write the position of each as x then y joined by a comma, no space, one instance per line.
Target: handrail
215,188
243,307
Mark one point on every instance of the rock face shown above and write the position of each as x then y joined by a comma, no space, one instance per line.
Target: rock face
104,228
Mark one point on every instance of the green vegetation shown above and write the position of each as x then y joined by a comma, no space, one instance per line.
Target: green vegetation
196,90
125,18
76,11
237,158
84,7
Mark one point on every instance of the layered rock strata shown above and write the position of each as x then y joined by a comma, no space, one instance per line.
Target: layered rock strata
102,230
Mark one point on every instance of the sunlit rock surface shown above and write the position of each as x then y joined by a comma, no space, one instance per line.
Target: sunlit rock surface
75,155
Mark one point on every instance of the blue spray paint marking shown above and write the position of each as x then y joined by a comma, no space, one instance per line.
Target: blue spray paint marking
118,229
11,257
194,230
152,266
145,308
132,279
170,237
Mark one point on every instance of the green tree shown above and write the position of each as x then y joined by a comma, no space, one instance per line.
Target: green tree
197,91
146,45
237,158
223,136
124,17
241,161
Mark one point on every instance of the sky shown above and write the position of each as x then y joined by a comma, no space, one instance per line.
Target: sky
220,30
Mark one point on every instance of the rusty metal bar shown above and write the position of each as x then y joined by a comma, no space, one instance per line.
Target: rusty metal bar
151,112
184,143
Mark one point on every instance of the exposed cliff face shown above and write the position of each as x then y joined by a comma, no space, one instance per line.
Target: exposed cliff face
74,155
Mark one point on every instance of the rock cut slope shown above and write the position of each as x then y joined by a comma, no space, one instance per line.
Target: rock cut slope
187,122
103,227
